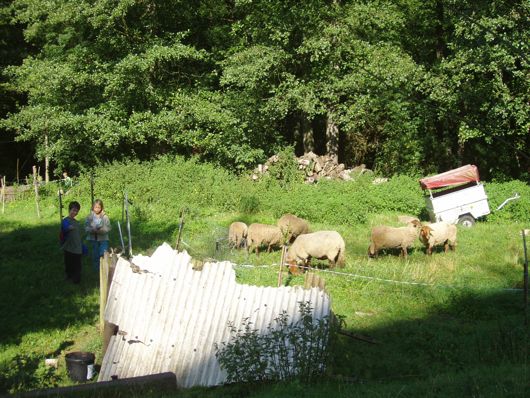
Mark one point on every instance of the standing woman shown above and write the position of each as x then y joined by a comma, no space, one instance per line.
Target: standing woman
98,226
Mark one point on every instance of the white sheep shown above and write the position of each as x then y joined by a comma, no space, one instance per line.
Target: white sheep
439,233
292,226
321,245
384,237
237,234
263,234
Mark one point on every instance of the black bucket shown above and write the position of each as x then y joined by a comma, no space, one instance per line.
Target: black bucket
80,365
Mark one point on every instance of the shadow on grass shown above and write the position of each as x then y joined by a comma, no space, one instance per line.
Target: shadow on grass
33,293
469,330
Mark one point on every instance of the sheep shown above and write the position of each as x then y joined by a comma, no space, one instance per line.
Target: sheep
292,226
437,234
407,219
237,234
321,245
263,234
384,237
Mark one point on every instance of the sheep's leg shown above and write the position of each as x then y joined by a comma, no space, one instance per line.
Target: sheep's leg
306,264
429,250
404,251
372,252
446,247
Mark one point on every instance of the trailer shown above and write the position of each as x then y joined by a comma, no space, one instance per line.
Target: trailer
456,196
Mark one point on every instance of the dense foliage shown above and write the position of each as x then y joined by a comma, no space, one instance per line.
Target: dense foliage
160,189
402,86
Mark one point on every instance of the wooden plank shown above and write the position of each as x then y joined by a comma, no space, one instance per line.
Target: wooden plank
166,381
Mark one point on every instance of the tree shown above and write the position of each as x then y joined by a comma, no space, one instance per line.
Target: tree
481,87
118,78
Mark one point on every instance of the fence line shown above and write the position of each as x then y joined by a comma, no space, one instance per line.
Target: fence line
358,276
346,274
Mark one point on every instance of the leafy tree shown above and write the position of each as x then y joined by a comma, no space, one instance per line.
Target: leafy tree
480,88
12,51
402,86
122,78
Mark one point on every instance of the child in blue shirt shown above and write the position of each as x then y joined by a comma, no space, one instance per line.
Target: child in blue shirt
71,243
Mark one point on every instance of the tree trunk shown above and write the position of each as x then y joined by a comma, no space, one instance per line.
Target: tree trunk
46,161
440,39
308,138
332,138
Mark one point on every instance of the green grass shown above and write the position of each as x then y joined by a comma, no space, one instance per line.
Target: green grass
459,332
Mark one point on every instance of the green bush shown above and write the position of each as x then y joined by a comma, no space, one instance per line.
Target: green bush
288,350
160,189
515,210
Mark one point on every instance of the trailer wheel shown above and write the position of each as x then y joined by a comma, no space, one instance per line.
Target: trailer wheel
466,220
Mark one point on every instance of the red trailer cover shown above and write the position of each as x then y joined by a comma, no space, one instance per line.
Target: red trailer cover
462,175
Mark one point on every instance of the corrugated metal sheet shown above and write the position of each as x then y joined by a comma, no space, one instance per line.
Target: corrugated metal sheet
170,316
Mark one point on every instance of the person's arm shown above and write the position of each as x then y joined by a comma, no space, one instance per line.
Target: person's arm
66,226
88,224
105,225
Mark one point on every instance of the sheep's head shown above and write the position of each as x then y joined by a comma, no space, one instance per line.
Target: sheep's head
293,267
425,233
415,223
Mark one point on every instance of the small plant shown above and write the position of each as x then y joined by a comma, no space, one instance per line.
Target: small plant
288,350
285,170
25,372
249,204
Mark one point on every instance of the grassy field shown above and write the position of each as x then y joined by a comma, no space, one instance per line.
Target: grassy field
447,325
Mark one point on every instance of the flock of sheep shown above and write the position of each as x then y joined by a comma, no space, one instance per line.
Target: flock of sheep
329,245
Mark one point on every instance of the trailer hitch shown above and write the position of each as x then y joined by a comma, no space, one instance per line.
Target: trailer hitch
516,196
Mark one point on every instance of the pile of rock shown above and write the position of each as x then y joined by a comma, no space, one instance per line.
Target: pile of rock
316,167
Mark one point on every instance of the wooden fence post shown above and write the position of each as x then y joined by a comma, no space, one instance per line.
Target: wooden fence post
3,182
104,266
525,278
282,260
60,193
36,187
106,273
91,188
128,219
181,226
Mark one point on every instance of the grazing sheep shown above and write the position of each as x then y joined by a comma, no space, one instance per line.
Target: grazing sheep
263,234
237,234
437,234
407,219
384,237
321,245
292,226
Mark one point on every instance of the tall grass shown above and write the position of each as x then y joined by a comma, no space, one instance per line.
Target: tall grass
441,323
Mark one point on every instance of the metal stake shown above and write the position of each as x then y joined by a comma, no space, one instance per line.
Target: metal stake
525,280
121,238
128,223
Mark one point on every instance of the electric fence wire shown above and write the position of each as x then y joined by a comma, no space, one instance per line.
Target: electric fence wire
358,276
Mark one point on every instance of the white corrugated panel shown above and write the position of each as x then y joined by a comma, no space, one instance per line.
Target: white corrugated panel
170,316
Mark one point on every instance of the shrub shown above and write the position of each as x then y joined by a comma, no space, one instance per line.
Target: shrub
285,171
288,350
161,188
516,210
